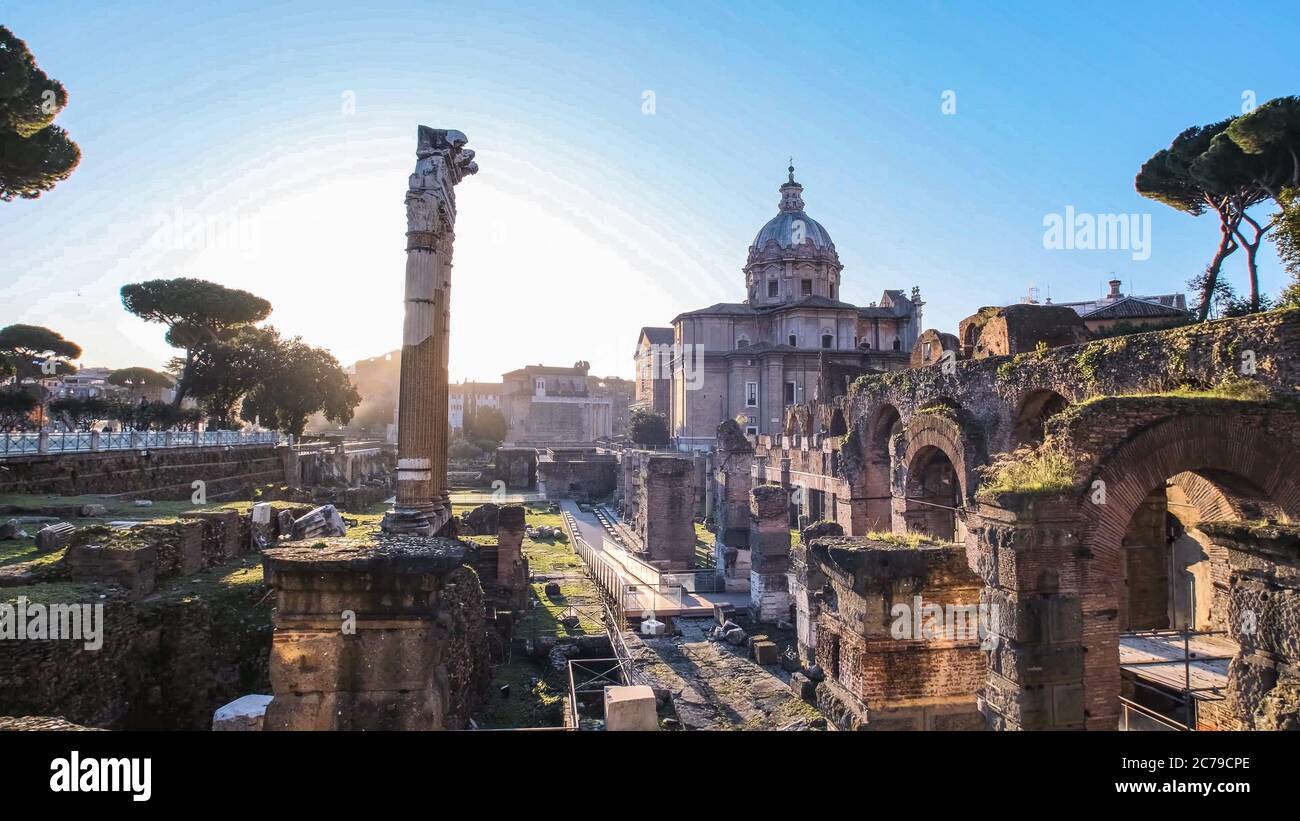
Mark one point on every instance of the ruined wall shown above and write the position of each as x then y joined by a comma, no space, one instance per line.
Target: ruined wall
587,480
165,473
660,500
1264,619
517,467
897,634
167,662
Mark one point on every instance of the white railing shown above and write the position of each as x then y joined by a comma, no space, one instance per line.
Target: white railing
53,444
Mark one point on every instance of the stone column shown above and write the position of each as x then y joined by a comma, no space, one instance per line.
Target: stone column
733,478
422,504
769,544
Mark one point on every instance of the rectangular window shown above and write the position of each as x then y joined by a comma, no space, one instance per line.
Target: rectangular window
827,341
773,289
789,393
751,430
751,394
805,287
794,341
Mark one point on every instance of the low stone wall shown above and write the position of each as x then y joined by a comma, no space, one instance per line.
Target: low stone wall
166,473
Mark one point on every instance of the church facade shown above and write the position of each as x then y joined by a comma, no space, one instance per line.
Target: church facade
750,360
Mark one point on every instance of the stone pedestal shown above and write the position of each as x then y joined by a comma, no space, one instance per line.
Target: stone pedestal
362,634
769,542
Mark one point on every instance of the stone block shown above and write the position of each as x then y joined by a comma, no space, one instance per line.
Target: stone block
53,537
630,708
765,652
242,714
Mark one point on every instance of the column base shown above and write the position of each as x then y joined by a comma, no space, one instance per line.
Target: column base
421,521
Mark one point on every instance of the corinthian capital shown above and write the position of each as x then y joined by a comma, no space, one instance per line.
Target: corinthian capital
441,161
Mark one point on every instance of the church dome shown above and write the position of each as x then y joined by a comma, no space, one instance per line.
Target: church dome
781,230
791,227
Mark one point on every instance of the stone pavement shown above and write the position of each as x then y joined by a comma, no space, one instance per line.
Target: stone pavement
715,685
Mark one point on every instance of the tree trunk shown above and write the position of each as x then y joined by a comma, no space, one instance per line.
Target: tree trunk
1226,246
1252,249
183,378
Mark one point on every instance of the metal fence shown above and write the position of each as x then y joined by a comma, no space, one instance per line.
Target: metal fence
54,444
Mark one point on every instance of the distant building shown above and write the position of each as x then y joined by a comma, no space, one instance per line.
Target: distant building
1134,311
654,377
753,359
470,395
545,404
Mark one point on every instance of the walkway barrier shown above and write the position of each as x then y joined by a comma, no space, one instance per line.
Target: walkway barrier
54,443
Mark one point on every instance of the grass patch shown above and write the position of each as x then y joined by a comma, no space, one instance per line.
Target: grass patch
1235,388
1029,471
703,546
536,698
912,540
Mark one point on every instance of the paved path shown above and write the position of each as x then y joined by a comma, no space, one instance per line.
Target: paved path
715,686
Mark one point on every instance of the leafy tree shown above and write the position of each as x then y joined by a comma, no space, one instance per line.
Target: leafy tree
1225,168
487,425
1287,240
35,154
300,380
79,413
16,407
1167,177
648,428
222,371
1271,134
24,348
196,312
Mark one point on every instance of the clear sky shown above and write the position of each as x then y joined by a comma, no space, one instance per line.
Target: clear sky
289,129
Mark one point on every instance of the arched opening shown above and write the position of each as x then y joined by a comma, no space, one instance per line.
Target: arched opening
933,495
1156,571
1035,409
876,495
838,425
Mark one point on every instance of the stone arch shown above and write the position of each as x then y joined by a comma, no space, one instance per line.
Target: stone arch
1227,465
1035,408
1222,447
934,446
872,494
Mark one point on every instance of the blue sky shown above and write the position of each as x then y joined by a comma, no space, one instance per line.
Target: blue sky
590,218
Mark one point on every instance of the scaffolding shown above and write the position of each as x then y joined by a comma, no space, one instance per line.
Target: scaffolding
1176,670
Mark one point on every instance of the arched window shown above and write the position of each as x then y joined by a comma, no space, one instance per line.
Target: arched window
742,342
898,344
